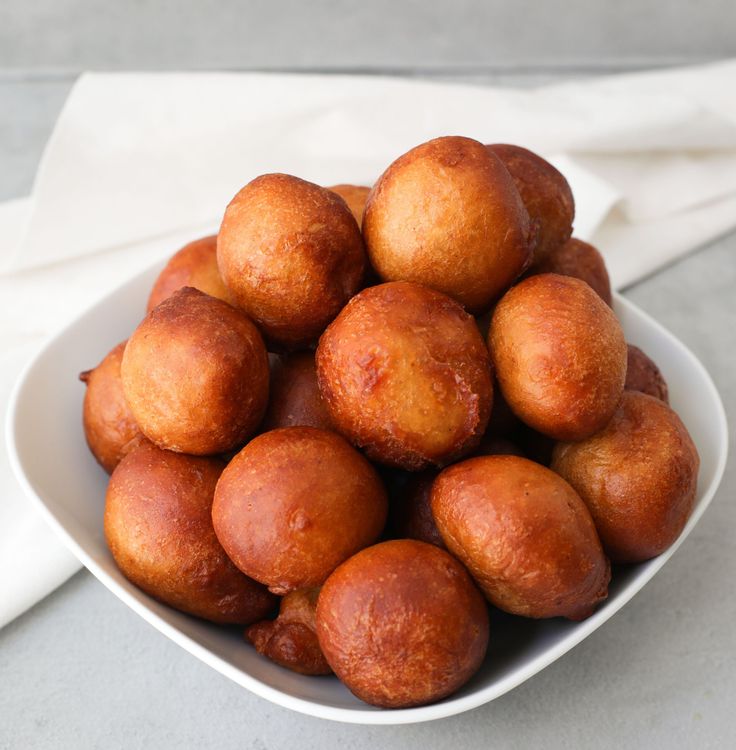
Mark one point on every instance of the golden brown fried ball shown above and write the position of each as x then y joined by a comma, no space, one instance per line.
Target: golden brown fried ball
295,398
560,356
582,261
642,374
291,639
109,425
524,534
295,503
406,376
194,265
410,513
545,193
292,255
195,375
638,476
159,529
448,215
402,624
355,196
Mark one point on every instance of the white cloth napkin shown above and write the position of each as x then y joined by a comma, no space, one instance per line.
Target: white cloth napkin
139,163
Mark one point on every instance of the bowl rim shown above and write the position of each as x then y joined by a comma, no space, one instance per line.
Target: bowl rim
366,715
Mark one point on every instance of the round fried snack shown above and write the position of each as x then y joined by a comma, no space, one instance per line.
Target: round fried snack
109,425
295,503
291,639
410,513
638,477
194,265
402,624
560,356
195,375
642,374
292,255
355,196
159,529
448,215
406,376
295,398
524,534
580,260
545,193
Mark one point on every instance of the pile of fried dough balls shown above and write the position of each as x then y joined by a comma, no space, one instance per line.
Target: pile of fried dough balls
356,417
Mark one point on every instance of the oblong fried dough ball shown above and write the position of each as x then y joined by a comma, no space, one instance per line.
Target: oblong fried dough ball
560,356
109,425
638,477
295,503
291,639
292,255
581,260
402,624
447,215
194,265
406,376
545,193
195,374
355,196
295,398
158,526
642,374
410,512
524,534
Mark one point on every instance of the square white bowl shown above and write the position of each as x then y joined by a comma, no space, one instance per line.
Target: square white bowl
49,455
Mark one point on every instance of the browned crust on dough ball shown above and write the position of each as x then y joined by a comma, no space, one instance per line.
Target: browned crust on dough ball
545,193
159,529
402,624
291,639
195,375
411,514
355,196
447,215
295,398
524,535
582,261
406,376
109,426
642,374
638,476
559,354
194,265
295,503
292,255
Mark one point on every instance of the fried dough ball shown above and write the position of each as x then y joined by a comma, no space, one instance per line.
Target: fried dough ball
642,374
638,477
109,425
524,534
159,529
410,513
402,624
194,265
582,261
291,639
406,376
295,503
295,398
545,193
292,255
355,196
448,215
195,375
560,356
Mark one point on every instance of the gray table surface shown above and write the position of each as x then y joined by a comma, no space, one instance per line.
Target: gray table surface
81,670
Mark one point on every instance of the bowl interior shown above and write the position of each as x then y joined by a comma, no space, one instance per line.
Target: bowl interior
49,454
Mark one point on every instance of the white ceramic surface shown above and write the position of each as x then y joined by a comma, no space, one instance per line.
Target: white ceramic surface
50,457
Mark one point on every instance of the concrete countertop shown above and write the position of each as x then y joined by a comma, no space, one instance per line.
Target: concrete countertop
81,670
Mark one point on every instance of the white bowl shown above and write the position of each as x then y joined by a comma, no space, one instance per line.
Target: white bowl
51,460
